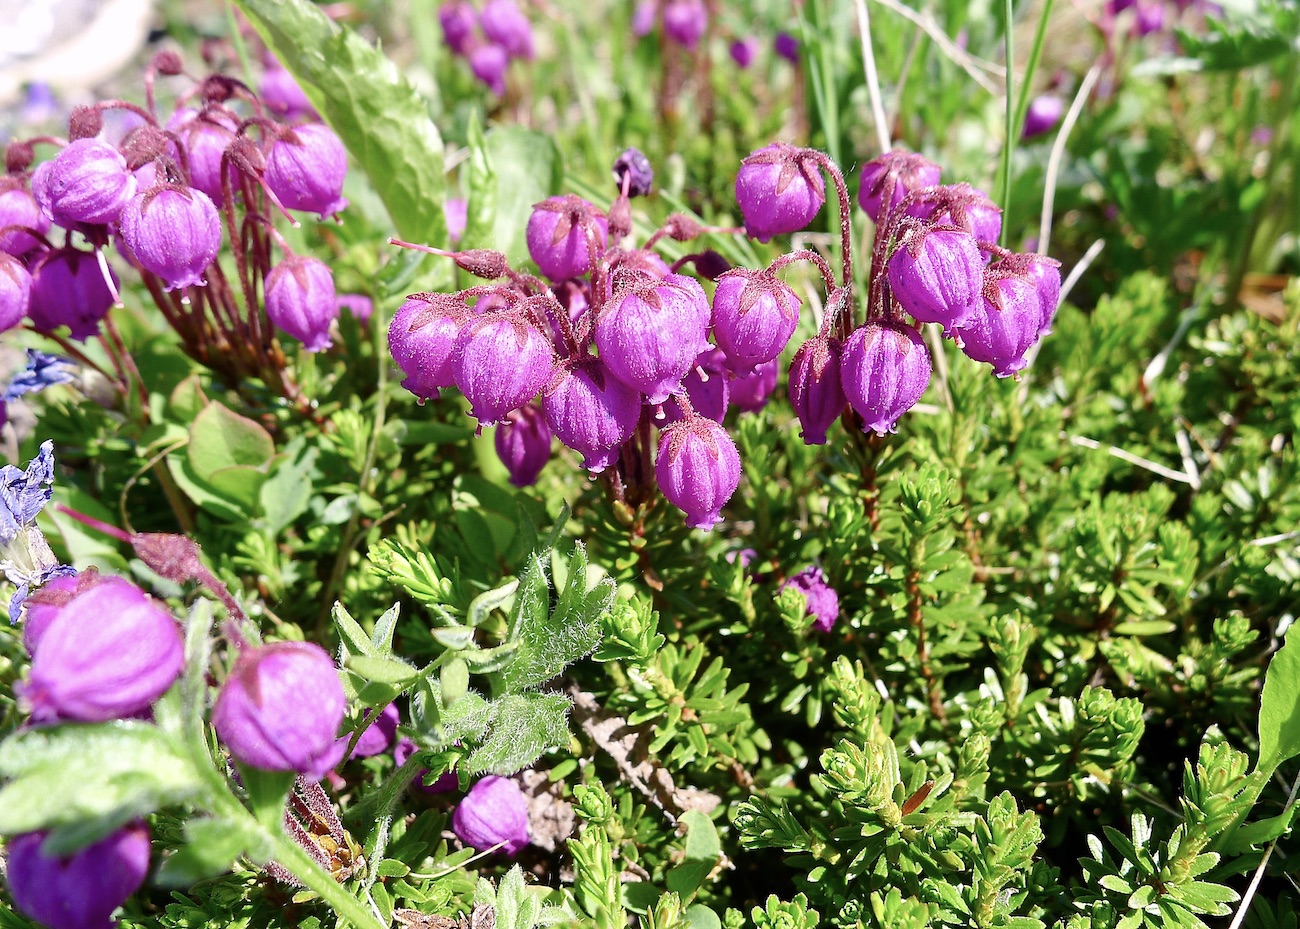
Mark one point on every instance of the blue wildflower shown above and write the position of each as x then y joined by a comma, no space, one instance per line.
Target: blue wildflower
25,556
42,371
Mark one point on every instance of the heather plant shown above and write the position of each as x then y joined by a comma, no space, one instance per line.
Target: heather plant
766,532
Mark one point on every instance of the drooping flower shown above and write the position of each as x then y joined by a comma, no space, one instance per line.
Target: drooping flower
742,51
87,182
489,62
698,469
592,412
494,813
283,95
815,389
706,386
685,21
206,135
305,169
379,734
300,300
81,890
561,237
421,338
1006,321
786,46
48,602
281,708
501,361
523,443
651,331
174,232
823,601
935,274
445,783
68,289
458,20
779,189
1044,112
751,391
890,177
19,208
754,316
109,653
885,368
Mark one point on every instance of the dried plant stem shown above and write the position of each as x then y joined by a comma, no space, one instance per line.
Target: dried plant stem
1058,151
873,79
916,617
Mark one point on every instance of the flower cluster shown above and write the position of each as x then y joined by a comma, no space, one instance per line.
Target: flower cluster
616,343
489,39
168,196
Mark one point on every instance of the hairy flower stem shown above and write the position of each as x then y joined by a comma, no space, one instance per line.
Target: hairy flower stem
846,214
828,276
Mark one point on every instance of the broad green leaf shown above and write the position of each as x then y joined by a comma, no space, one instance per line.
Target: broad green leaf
286,492
211,845
96,777
522,167
700,916
198,491
523,726
241,484
221,438
382,120
1279,707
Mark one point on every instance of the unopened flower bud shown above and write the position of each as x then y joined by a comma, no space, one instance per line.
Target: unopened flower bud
81,890
698,469
300,300
483,262
787,46
885,368
742,51
281,708
15,291
85,122
685,21
779,190
887,179
458,21
420,339
1044,112
634,167
506,25
19,208
404,749
494,813
489,62
109,653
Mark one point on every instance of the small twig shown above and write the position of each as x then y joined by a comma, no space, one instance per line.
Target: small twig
1138,460
1058,152
1267,540
1189,463
873,79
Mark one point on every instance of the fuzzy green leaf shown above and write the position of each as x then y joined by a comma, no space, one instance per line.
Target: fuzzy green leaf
523,726
1279,708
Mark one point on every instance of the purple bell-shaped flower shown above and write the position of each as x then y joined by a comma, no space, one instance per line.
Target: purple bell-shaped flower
86,183
379,734
493,815
885,368
1046,274
969,209
823,601
751,391
458,21
445,783
15,291
787,47
501,361
523,443
1005,323
592,412
815,389
175,232
754,315
281,708
506,25
206,136
935,274
41,608
109,653
300,300
81,890
886,180
489,62
685,21
651,331
558,236
305,169
19,208
779,189
742,51
1044,112
698,469
283,95
421,337
68,289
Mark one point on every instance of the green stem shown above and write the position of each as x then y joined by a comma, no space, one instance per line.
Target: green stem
1009,142
1031,67
292,857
